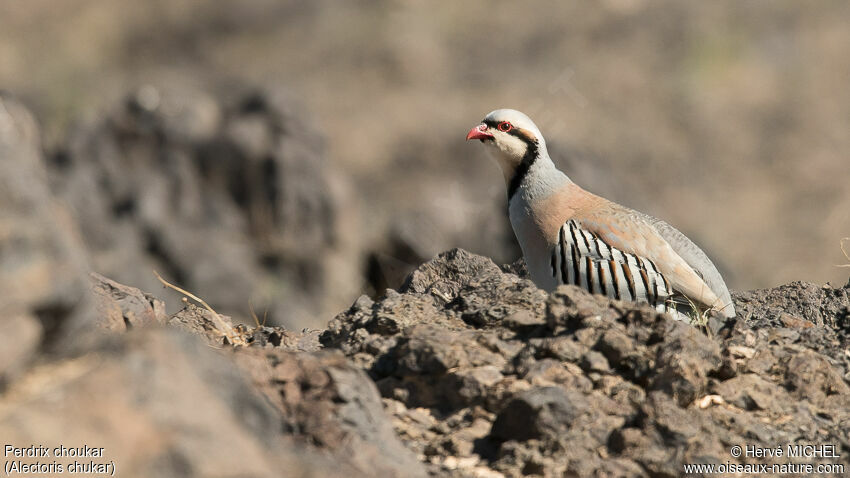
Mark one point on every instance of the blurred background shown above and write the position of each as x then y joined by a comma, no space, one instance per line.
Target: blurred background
287,156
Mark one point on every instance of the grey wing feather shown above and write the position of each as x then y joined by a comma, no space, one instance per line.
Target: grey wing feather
697,259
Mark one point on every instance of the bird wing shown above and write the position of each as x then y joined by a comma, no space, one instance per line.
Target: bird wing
628,232
581,257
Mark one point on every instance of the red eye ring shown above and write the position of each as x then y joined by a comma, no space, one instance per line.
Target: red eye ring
505,126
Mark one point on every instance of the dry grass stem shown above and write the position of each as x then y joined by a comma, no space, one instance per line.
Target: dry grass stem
254,315
220,324
844,251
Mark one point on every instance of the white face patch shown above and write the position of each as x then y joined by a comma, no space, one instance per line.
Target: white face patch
510,145
511,148
508,151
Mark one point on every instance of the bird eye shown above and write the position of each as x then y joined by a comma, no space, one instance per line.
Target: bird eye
504,126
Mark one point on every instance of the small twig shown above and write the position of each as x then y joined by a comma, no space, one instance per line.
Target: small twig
254,315
219,323
844,251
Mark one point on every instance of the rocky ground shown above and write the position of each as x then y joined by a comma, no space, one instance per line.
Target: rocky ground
466,370
482,373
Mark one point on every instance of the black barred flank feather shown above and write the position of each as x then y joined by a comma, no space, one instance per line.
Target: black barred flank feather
584,259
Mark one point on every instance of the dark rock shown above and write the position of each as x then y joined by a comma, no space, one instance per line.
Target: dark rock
455,270
818,305
121,308
430,350
332,405
201,322
675,423
43,263
470,386
305,341
192,408
537,413
685,362
615,346
751,392
228,202
594,361
20,345
563,348
812,377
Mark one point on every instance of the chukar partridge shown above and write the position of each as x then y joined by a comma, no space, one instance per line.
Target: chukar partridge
571,236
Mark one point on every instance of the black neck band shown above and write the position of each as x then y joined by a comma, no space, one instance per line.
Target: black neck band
521,172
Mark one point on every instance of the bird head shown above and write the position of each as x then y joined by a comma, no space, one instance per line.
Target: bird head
511,137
